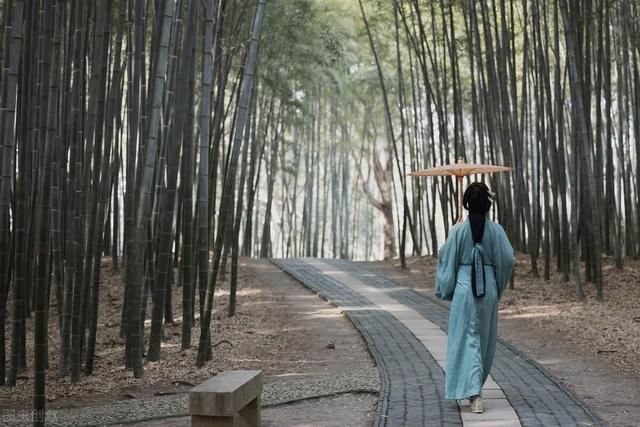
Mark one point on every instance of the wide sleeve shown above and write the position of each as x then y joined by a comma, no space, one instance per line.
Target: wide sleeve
503,259
447,268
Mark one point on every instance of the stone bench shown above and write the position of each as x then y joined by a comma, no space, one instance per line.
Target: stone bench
230,399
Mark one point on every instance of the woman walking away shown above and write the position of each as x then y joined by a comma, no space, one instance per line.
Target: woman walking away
474,267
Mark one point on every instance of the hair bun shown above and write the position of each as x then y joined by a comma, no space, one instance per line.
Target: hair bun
477,198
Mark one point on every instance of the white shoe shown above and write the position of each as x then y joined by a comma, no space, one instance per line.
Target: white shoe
476,404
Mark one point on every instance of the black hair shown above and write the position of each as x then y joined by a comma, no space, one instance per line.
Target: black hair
477,200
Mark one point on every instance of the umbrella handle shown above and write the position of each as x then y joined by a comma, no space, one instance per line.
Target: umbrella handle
460,178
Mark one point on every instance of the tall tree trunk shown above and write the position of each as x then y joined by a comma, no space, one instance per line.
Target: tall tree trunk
9,103
143,215
247,80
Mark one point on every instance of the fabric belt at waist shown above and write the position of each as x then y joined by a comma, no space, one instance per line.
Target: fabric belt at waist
486,265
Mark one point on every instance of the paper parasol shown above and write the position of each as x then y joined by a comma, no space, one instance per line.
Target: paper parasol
460,169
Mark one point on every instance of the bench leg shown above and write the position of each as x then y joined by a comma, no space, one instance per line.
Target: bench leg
249,416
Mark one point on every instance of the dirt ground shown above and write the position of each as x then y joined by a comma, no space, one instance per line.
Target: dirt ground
280,327
592,346
284,329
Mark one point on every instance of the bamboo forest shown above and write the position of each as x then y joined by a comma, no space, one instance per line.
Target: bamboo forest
154,153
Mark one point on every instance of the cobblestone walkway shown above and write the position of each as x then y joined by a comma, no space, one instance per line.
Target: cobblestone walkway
406,333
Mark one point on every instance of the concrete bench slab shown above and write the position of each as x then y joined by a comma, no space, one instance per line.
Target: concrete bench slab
230,398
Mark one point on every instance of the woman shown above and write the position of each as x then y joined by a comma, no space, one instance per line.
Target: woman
474,267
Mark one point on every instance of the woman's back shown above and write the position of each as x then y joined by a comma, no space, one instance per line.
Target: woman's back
465,241
457,251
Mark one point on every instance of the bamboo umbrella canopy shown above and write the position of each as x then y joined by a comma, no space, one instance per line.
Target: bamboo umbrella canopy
460,169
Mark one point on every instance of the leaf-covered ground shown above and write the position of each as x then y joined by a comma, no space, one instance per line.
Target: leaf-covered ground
280,327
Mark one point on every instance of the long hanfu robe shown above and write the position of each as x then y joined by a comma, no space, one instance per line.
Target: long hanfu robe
473,321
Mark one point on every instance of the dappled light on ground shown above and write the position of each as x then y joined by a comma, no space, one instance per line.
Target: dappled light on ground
531,312
325,313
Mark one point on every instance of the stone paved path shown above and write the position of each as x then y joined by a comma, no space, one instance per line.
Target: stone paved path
406,333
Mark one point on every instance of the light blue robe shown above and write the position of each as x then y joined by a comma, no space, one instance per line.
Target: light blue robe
473,322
